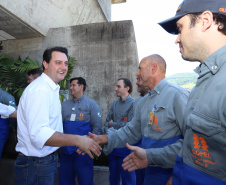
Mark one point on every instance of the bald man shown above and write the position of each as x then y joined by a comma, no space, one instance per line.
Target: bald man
157,120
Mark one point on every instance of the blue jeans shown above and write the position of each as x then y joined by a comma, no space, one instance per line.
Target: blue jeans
36,170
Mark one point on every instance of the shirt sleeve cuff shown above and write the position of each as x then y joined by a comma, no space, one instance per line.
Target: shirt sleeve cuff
10,110
111,138
114,125
44,134
153,156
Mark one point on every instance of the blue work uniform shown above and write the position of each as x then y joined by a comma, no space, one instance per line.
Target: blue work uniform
7,99
121,112
202,158
86,117
162,137
139,172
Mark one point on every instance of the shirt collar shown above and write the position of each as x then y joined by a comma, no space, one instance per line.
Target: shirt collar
79,99
50,82
213,63
158,88
126,99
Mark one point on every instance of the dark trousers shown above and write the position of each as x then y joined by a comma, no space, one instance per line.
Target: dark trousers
36,170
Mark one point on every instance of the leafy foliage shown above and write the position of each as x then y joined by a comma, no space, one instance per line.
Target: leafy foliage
13,78
13,74
185,80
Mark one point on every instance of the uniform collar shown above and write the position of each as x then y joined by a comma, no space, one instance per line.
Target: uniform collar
51,83
158,88
80,98
126,99
213,63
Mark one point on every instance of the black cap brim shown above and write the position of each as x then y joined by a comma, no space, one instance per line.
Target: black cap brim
170,24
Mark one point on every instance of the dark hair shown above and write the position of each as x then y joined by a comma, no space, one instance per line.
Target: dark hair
34,72
127,83
218,18
81,81
47,55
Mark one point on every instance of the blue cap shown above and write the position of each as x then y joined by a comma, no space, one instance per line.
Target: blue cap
193,6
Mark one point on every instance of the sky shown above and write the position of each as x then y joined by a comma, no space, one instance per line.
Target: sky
150,37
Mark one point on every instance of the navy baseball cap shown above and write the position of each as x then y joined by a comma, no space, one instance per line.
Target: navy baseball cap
193,6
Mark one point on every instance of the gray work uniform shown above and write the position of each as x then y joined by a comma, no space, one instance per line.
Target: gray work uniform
163,139
120,112
135,104
86,107
7,99
86,118
202,157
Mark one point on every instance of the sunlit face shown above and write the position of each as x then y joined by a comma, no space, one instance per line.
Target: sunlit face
144,73
188,39
76,89
57,67
120,89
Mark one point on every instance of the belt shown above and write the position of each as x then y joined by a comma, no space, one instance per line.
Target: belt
21,154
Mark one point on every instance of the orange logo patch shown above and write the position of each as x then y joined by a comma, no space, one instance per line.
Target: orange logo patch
125,119
200,152
155,125
81,116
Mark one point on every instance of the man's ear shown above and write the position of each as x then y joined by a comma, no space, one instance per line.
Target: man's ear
127,88
154,68
82,86
207,20
45,64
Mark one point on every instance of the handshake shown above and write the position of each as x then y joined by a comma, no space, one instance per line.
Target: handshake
136,160
91,143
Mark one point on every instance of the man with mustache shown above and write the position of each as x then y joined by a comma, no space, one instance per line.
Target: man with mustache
143,90
158,121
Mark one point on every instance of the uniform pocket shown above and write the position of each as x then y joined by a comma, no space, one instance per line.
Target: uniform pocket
204,145
204,124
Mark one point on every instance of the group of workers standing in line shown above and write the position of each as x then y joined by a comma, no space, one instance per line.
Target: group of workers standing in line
180,137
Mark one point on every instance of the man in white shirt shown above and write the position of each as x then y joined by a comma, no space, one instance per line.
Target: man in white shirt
40,128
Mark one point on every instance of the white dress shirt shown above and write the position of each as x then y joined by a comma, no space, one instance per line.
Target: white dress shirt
38,117
6,110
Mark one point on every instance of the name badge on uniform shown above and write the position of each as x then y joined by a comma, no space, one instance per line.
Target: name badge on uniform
151,117
73,115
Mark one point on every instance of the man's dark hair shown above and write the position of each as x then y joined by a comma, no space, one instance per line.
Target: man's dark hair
47,55
81,81
127,83
218,19
35,72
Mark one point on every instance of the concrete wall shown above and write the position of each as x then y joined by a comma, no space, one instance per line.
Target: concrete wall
104,53
42,15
